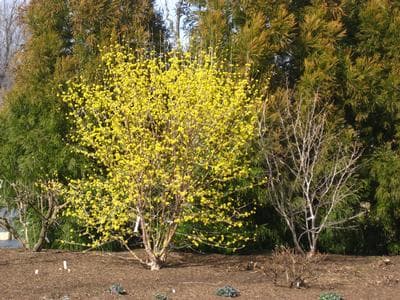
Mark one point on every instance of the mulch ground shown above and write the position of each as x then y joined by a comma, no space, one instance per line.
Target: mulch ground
26,275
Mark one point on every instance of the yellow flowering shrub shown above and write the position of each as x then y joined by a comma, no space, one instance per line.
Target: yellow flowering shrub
169,132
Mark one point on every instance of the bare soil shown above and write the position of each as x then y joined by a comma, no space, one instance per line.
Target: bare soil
27,275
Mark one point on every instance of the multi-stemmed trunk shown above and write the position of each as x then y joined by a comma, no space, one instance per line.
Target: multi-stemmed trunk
42,237
48,220
156,250
311,226
312,175
312,245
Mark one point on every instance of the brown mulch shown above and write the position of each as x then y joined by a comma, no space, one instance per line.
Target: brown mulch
187,276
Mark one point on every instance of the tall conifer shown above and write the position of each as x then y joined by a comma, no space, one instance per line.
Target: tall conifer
62,40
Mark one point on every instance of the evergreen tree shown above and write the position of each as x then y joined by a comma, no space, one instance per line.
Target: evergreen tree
316,49
373,70
371,97
62,41
245,32
64,38
96,24
32,123
295,44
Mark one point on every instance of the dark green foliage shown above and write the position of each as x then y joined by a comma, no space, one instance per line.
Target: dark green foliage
330,296
67,236
62,42
33,128
269,229
372,74
228,291
160,296
338,242
384,171
256,32
371,94
117,289
347,52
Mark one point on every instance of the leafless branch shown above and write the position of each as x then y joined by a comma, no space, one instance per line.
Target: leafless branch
309,164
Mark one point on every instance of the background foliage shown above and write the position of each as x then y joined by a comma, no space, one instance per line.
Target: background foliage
347,51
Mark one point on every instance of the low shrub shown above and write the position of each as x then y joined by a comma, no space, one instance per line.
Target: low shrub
227,291
160,296
330,296
292,269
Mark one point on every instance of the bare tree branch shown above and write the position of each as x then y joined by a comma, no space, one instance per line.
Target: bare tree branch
11,39
309,164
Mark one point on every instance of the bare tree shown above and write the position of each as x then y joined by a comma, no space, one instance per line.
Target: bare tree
43,201
310,165
11,38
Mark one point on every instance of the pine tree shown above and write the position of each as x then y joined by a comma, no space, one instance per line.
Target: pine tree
96,24
316,49
33,126
371,97
245,32
64,40
373,70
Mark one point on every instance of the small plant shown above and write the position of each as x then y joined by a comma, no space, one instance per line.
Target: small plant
117,289
292,269
330,296
160,296
227,291
251,266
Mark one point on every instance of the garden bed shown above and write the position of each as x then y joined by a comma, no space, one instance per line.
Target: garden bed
26,275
